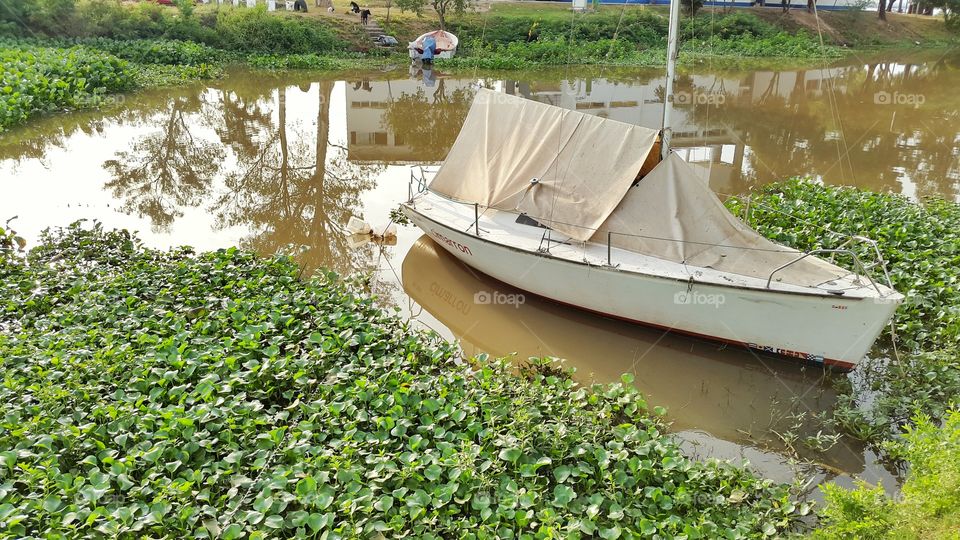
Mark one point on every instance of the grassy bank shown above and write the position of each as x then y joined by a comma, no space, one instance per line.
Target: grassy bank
929,504
177,394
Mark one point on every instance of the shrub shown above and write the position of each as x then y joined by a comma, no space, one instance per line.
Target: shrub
929,506
258,31
105,18
737,24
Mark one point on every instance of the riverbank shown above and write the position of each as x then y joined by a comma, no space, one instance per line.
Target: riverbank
146,45
180,394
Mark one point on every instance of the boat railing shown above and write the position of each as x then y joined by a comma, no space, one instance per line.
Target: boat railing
419,178
418,184
860,269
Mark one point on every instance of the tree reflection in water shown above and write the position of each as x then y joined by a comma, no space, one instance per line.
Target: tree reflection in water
429,120
262,172
291,192
831,124
238,152
168,169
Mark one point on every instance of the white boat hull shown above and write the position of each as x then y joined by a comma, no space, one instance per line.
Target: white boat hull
828,329
414,55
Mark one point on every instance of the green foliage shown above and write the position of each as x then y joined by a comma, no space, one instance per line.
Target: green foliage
929,504
951,12
154,75
638,28
157,51
28,17
781,44
863,513
41,79
302,61
168,394
551,51
255,30
245,30
921,244
737,24
441,7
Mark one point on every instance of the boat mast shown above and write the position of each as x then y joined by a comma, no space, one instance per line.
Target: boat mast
667,131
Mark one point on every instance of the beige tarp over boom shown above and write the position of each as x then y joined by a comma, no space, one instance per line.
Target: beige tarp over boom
584,164
673,214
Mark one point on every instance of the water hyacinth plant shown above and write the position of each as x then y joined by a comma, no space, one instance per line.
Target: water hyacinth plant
921,244
42,79
218,395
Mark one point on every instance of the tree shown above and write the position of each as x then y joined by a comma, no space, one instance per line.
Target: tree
429,123
442,7
691,7
951,12
882,10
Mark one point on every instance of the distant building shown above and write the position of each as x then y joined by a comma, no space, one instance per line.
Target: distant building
826,5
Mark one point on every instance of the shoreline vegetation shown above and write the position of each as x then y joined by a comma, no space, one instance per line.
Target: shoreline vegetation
74,54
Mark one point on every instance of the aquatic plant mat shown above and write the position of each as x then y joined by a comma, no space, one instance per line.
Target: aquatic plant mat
219,395
921,244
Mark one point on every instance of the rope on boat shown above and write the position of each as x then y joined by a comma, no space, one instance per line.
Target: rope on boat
483,33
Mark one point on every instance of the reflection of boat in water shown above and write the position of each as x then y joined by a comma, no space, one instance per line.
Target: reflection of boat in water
726,392
444,43
586,214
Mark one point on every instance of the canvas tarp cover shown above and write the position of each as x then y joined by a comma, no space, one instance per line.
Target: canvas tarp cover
673,214
584,163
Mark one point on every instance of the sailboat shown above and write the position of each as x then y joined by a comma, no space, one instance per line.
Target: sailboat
601,215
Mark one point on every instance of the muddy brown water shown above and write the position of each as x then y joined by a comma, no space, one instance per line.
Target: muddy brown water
270,161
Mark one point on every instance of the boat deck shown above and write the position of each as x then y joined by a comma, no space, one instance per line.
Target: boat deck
503,228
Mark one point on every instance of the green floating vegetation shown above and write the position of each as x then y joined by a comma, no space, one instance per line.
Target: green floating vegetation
928,507
311,61
921,244
218,395
157,51
41,79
